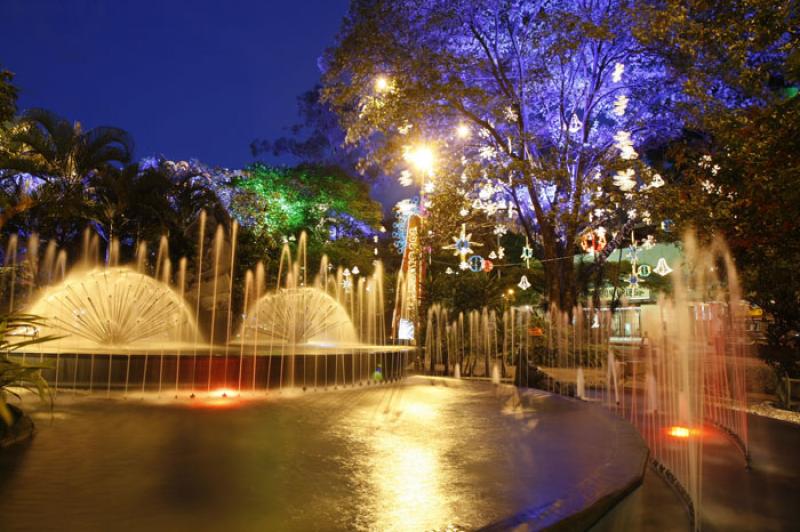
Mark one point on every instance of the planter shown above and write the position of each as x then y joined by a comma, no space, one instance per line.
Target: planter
21,428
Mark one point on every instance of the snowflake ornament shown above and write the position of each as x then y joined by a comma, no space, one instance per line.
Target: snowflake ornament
462,245
616,76
625,180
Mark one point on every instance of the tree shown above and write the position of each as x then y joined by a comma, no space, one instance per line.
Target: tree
536,106
51,148
316,139
734,171
277,203
12,197
8,97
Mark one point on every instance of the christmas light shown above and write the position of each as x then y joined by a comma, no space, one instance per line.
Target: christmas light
662,268
524,284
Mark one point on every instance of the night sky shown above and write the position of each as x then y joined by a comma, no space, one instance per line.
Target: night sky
187,79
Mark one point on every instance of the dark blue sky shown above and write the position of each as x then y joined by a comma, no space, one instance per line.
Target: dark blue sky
186,78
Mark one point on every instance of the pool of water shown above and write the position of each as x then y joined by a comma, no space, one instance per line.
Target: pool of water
425,454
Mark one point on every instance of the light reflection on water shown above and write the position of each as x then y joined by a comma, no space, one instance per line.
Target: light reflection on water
406,463
407,457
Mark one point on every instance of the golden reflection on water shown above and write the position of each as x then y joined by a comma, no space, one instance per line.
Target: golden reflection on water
407,464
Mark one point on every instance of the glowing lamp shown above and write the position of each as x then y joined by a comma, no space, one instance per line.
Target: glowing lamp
421,158
381,84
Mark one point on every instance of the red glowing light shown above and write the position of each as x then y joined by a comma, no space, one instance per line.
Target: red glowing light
679,432
219,398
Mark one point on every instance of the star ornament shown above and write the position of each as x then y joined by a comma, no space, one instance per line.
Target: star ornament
462,244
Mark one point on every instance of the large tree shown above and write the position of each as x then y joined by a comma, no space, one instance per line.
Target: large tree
52,148
735,171
536,106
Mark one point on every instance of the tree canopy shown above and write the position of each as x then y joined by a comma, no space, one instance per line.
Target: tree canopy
538,107
279,202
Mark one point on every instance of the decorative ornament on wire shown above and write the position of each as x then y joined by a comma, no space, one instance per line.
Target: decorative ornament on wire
488,265
449,271
493,255
476,263
524,284
643,271
593,241
527,253
662,268
462,245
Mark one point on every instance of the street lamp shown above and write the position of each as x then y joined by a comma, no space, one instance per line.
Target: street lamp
381,84
423,160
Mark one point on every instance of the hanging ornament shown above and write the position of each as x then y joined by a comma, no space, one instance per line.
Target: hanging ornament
501,252
462,245
449,271
500,229
666,225
633,279
657,181
527,253
575,124
463,265
643,271
593,241
662,268
493,255
488,266
596,321
347,284
346,272
355,270
463,212
524,284
476,263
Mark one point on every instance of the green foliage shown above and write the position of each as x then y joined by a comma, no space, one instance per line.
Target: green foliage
50,147
735,172
278,202
8,97
15,374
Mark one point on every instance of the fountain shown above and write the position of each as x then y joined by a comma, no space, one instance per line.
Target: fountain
298,316
681,367
119,328
113,308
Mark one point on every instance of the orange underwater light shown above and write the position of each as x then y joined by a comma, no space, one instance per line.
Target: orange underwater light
679,432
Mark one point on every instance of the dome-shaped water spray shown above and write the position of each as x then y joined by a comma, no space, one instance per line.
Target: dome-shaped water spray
298,316
113,308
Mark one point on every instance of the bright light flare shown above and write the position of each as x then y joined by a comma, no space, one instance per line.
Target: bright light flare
421,158
219,398
381,84
463,131
677,431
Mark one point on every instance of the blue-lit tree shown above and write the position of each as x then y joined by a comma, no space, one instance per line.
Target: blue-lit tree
538,107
